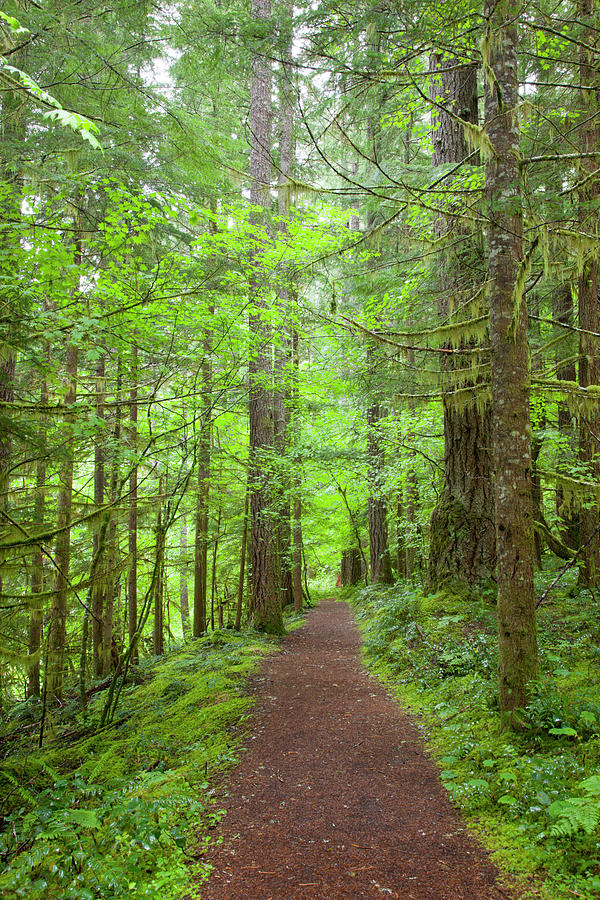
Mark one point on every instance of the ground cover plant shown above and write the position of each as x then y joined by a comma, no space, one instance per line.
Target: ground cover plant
112,813
534,794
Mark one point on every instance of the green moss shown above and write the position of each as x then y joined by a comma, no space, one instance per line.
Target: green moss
141,789
439,657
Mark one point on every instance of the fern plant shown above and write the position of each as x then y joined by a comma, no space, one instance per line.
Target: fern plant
577,813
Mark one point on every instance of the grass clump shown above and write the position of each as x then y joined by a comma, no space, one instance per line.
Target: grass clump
535,796
125,812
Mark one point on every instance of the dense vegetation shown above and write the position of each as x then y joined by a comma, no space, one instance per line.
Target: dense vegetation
287,293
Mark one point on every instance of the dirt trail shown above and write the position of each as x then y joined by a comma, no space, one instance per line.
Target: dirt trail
334,797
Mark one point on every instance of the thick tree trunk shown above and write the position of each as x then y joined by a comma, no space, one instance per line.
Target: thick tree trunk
589,442
510,369
283,362
132,598
462,539
263,553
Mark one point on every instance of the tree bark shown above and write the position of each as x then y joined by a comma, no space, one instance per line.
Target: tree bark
132,525
184,602
589,442
158,646
510,368
462,531
381,567
242,576
263,553
566,370
62,551
99,588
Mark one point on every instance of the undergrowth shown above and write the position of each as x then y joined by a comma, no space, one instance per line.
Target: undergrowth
125,812
535,796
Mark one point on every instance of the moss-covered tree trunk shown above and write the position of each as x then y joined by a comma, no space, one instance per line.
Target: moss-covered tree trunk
589,442
510,365
132,597
462,530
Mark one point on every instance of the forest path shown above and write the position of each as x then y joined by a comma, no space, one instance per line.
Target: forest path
334,797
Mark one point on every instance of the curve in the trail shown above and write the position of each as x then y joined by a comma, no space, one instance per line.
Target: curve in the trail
334,796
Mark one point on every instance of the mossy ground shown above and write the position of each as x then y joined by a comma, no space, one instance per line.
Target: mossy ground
123,812
534,797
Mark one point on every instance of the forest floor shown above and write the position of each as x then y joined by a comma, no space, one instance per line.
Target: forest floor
334,796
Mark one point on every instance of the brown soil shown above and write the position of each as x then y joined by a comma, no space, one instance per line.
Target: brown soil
334,797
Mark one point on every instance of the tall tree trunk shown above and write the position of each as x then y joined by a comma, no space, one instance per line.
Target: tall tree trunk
589,442
37,573
566,370
158,646
381,567
510,368
213,580
62,551
241,580
12,134
184,602
263,554
412,489
462,539
99,588
203,491
132,598
296,477
283,362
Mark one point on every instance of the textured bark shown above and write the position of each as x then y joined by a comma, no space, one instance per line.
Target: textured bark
351,566
412,491
203,496
510,370
37,569
296,478
283,350
589,443
99,588
199,623
381,567
565,352
184,601
12,133
400,542
62,551
158,647
462,532
109,644
242,575
263,544
132,598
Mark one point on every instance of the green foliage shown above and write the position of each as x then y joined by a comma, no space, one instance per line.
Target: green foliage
536,794
111,815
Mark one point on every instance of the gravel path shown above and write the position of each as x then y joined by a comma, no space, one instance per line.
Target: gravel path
334,797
